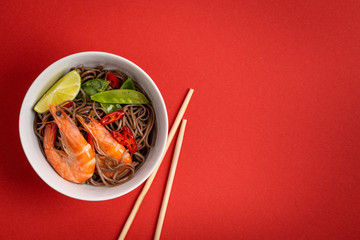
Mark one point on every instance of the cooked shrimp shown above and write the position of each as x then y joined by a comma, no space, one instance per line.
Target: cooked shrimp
77,162
104,143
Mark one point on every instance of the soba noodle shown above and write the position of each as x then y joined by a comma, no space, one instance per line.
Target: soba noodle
140,119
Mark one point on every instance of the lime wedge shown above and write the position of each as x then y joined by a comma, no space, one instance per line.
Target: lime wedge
65,89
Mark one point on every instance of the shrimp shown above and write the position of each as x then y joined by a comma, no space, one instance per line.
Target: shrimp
104,143
75,164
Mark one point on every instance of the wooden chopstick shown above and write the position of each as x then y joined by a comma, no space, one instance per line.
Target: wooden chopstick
170,180
152,176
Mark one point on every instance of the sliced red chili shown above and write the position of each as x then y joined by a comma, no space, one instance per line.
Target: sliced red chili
131,143
68,104
112,117
119,138
90,141
114,81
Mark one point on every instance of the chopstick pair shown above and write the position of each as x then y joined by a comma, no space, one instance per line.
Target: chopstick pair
170,180
152,176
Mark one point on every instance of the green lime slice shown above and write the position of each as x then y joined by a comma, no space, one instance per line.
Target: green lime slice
65,89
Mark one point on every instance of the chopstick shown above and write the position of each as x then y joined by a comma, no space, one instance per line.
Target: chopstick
152,176
170,180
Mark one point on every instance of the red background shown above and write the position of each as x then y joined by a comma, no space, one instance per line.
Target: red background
271,148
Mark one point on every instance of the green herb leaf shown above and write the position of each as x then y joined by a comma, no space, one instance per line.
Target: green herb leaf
94,86
110,107
128,84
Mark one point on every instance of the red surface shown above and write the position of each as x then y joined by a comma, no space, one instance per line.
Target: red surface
271,149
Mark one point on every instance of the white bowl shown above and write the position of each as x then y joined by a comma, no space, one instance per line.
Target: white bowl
29,140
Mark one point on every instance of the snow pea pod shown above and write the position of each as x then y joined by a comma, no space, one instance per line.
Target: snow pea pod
111,107
121,96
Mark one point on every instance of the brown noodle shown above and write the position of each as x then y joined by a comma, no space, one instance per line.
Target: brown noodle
139,118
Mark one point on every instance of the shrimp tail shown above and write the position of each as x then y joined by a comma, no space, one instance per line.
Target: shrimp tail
50,135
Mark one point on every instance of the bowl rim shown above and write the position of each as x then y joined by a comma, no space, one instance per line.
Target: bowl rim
163,108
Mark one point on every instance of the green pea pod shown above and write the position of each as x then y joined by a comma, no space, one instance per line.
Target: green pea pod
110,107
121,96
128,84
94,86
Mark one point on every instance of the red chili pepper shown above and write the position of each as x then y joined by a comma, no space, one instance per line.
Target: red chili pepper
119,138
131,143
114,81
112,117
90,141
68,104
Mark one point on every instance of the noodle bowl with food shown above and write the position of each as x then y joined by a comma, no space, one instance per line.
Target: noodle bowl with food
104,165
